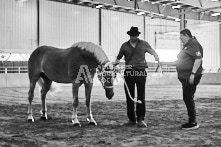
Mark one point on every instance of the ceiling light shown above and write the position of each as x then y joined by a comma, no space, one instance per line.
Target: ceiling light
176,7
21,0
99,6
215,14
177,20
214,0
140,13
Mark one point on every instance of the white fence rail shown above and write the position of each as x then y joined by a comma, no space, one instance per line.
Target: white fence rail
13,69
164,69
24,69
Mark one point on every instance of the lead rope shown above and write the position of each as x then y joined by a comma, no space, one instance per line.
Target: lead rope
135,99
159,67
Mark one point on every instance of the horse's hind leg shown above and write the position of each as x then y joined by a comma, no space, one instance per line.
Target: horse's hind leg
45,88
88,88
30,97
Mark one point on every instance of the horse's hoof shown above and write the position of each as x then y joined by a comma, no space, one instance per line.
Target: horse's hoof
43,118
77,125
31,120
93,123
49,118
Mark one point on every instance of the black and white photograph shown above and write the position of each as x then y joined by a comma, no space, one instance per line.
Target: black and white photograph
110,73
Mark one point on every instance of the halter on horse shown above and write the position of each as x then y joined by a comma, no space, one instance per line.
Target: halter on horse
76,65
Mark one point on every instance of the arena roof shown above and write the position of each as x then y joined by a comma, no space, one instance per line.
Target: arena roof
208,10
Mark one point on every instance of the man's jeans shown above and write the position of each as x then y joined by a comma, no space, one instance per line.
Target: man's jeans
135,77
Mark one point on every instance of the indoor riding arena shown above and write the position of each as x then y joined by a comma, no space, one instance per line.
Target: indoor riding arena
26,25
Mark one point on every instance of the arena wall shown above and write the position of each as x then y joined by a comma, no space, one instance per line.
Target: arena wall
62,24
21,80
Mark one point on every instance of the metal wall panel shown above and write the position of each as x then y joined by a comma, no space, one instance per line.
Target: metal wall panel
159,26
114,30
18,23
156,26
208,34
62,25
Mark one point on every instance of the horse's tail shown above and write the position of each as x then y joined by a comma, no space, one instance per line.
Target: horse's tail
52,90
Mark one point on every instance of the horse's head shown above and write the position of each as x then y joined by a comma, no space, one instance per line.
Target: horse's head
106,75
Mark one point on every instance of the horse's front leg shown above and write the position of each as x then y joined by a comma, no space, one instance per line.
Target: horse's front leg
88,88
75,89
30,98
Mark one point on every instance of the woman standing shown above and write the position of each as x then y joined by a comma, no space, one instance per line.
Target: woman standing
189,69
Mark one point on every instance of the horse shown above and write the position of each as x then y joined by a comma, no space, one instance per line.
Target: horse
77,65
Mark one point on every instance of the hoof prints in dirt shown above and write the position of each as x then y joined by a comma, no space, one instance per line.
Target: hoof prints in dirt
162,117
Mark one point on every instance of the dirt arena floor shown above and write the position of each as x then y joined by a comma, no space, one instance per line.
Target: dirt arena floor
165,112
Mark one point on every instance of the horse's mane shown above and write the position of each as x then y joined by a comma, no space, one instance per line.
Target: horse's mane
94,49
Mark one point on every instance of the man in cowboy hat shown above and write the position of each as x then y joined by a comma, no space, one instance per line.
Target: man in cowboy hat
135,74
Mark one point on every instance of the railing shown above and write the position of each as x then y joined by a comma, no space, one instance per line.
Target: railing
21,69
152,69
164,69
24,69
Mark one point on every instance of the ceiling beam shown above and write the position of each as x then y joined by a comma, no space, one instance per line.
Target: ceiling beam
212,8
159,9
195,3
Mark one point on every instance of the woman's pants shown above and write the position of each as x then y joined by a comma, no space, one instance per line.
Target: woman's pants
188,96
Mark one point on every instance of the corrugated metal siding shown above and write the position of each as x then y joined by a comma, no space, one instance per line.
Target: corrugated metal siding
62,25
158,26
18,26
208,34
114,30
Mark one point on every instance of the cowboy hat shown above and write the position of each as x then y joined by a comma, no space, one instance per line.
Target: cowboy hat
133,31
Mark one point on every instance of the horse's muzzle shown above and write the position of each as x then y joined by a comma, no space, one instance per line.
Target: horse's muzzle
109,93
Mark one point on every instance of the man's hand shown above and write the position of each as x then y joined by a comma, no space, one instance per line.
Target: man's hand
116,62
156,58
